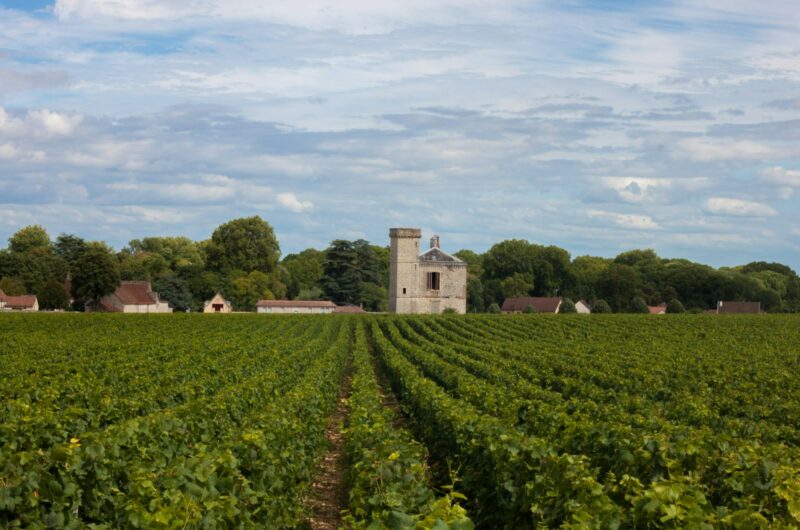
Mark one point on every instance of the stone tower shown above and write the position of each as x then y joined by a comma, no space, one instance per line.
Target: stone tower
404,269
429,282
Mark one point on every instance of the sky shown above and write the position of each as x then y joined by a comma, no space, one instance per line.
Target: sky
596,126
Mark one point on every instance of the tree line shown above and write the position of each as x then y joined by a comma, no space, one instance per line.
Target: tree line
242,260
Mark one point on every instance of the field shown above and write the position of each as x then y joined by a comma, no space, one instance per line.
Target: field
606,421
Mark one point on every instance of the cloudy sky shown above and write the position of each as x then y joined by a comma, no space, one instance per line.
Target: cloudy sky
597,126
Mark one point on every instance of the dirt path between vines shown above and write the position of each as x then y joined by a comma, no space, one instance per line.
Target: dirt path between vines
329,494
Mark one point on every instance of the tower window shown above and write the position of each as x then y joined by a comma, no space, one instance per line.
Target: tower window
433,280
404,290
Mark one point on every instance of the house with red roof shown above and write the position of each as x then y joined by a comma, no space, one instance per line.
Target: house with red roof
25,302
660,309
295,306
540,304
132,297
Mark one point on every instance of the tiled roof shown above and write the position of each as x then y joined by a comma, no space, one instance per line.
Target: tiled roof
657,309
24,301
437,254
295,303
135,293
739,307
348,309
540,304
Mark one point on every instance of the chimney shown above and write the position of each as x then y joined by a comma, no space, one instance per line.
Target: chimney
435,241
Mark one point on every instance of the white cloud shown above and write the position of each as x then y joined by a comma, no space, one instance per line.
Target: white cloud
781,176
634,221
738,207
293,204
650,190
54,123
708,149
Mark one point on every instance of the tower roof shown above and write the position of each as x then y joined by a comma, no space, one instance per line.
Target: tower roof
437,254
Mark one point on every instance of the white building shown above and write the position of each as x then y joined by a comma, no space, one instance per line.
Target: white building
217,304
295,306
132,297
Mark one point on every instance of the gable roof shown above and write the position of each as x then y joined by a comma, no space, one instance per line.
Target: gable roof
437,254
739,307
295,303
136,293
540,304
217,296
24,301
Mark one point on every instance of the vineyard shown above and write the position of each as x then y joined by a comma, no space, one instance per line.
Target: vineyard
602,421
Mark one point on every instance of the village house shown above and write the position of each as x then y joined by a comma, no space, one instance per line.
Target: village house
295,306
431,282
132,297
540,304
660,309
25,302
217,304
738,308
582,307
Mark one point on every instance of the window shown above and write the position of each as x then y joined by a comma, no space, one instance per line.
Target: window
404,290
433,281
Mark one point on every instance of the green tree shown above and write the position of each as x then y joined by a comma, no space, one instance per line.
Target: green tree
529,309
617,285
675,306
304,269
177,252
96,274
174,289
12,286
567,306
601,306
247,244
70,247
638,305
518,284
349,265
33,238
493,308
53,295
475,300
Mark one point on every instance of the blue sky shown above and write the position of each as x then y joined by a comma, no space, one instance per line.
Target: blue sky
595,126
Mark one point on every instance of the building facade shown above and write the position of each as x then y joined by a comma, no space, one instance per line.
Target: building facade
132,297
428,282
295,306
217,304
25,302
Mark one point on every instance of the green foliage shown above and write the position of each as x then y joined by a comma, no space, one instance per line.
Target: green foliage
601,306
493,308
449,311
53,295
350,267
12,286
518,284
617,285
31,239
247,244
638,305
174,290
70,247
567,307
529,309
305,271
675,306
96,274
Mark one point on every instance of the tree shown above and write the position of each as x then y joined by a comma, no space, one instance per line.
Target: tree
33,238
53,295
349,265
601,306
174,290
475,300
638,305
70,247
675,306
617,285
177,252
518,284
96,274
304,270
493,308
247,244
12,286
567,306
529,309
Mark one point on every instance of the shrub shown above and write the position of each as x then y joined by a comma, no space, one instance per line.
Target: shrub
601,306
529,309
449,311
567,306
493,308
638,305
675,306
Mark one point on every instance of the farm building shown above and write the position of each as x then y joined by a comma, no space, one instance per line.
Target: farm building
430,282
348,309
217,304
738,307
539,304
583,307
132,297
295,306
25,302
657,309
